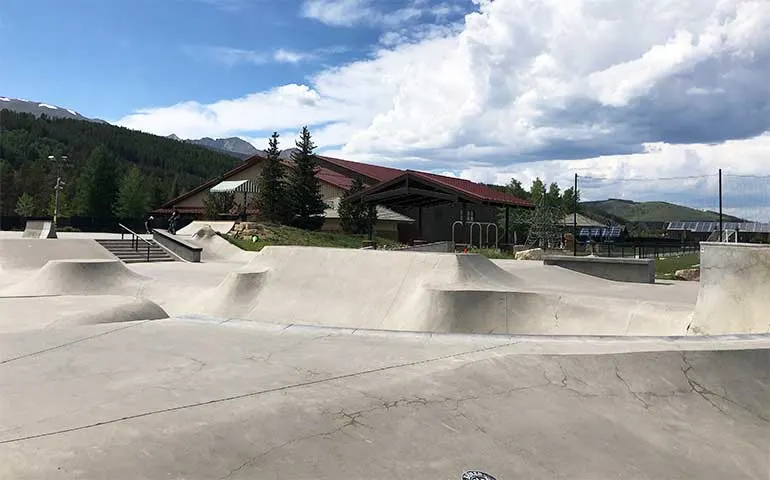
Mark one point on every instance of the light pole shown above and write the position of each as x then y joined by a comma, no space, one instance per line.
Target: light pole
59,186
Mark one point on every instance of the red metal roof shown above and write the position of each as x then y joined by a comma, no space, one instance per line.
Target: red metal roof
376,172
477,190
381,174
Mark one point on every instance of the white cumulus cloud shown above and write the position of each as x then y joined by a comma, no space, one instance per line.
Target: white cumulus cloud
517,87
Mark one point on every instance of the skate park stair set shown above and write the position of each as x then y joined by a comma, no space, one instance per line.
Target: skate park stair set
130,251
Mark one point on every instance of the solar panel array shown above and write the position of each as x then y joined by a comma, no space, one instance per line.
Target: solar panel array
706,227
600,232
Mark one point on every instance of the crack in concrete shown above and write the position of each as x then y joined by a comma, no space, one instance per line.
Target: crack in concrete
231,398
73,342
631,391
695,386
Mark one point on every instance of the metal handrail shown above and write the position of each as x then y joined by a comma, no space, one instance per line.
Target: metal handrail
135,239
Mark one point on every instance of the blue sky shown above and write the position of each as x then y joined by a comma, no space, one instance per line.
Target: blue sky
107,57
482,89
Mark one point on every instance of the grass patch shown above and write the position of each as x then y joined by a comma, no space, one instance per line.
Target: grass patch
282,235
665,267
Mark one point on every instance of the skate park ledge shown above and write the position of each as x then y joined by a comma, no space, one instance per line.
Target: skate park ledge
182,249
632,270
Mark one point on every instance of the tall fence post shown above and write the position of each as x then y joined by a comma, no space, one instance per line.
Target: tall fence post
721,230
574,216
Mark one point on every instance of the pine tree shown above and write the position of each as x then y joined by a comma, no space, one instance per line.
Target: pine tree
307,204
272,198
354,216
133,195
25,205
537,191
97,185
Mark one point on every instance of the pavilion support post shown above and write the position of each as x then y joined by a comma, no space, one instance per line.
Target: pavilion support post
419,223
371,208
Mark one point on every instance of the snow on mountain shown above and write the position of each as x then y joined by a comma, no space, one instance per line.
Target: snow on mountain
39,108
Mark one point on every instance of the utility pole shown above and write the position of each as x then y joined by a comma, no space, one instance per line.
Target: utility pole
574,216
58,187
721,229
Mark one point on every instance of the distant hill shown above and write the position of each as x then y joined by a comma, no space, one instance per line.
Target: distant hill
234,146
100,155
37,109
627,211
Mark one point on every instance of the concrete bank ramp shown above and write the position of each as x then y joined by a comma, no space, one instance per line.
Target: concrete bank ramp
421,292
734,291
193,227
79,277
30,254
34,313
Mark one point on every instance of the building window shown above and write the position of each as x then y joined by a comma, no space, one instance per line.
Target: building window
470,216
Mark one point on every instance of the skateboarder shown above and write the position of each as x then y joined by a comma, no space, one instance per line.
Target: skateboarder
172,222
148,224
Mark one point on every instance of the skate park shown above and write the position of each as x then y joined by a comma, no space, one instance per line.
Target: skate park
307,362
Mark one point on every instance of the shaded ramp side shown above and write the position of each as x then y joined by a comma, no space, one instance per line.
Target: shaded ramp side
414,291
193,227
79,277
733,291
18,253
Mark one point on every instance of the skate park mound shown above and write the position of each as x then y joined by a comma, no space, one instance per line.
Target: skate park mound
26,254
732,295
33,313
79,277
414,291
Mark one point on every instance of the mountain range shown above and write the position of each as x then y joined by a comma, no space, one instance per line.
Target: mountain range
37,109
233,146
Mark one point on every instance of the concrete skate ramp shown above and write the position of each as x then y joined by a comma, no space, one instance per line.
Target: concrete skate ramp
182,399
17,253
39,229
216,248
193,227
421,292
733,295
79,277
33,313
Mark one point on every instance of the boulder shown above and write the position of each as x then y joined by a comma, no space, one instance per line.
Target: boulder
688,274
531,254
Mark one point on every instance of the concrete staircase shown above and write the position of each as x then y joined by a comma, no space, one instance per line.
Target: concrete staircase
124,250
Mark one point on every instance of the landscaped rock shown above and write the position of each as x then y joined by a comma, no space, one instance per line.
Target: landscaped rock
688,274
531,254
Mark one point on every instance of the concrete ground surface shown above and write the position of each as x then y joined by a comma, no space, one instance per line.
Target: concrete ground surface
320,363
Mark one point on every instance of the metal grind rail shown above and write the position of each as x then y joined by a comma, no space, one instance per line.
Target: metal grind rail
134,239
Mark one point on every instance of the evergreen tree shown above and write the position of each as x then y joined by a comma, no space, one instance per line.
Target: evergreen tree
25,205
97,185
553,196
537,191
8,192
354,216
514,188
133,196
306,201
568,200
272,198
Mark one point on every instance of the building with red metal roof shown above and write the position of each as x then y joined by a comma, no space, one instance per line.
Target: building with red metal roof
437,202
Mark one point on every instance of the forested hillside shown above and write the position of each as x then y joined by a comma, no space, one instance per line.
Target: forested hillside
111,171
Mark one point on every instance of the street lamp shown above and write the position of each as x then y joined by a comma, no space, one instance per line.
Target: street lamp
59,185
